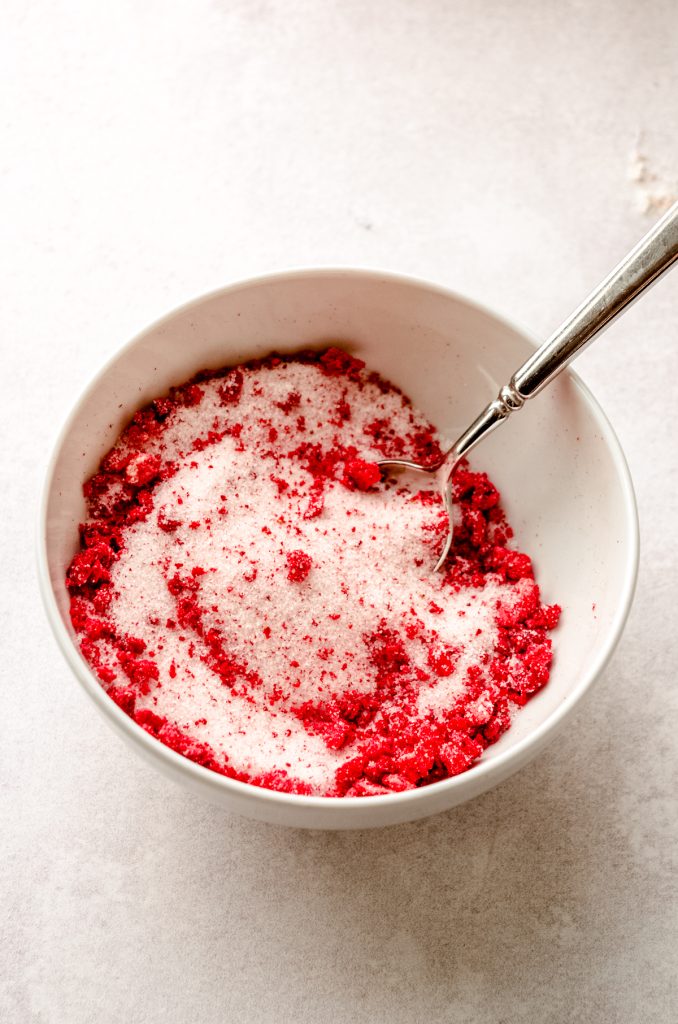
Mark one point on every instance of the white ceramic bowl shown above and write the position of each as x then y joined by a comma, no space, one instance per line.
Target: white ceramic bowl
563,476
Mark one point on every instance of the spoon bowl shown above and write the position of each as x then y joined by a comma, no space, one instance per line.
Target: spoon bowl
442,471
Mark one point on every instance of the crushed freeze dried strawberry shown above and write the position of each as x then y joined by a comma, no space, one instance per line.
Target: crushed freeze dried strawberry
299,566
142,469
361,475
231,389
337,363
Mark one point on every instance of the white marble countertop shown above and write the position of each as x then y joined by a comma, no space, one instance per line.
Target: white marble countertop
150,152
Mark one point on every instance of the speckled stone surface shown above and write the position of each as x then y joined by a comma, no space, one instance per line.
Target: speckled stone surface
153,151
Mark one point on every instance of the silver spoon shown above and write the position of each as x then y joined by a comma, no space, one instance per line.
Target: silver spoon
641,267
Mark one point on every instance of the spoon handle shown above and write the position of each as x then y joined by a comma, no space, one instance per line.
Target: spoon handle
641,267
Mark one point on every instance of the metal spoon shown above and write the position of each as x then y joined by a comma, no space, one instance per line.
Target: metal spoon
641,267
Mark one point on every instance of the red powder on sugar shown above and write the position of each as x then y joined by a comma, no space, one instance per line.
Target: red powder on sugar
252,594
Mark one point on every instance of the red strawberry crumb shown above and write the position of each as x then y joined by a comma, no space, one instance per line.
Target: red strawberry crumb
231,389
298,566
336,363
293,401
362,475
191,394
142,469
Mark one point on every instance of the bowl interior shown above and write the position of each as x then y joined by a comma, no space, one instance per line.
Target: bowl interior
562,476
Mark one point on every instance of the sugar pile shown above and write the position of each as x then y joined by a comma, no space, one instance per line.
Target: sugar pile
253,595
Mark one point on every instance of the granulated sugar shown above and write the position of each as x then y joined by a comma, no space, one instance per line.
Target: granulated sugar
253,595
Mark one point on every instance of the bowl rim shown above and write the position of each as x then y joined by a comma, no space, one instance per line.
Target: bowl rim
480,776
